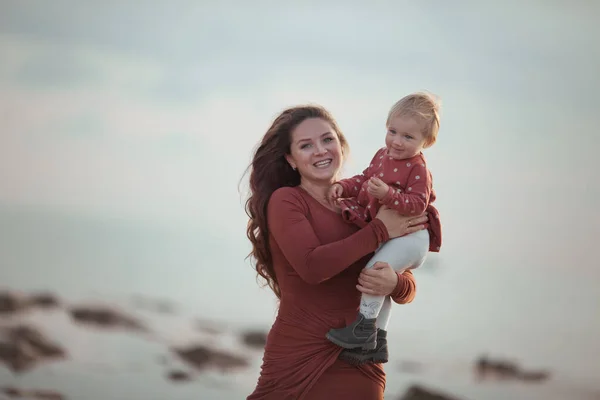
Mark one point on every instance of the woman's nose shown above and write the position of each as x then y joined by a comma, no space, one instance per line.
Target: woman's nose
320,150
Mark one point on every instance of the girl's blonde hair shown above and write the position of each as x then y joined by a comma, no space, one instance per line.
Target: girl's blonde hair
422,106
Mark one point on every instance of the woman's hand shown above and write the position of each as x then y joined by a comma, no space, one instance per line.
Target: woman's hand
398,225
380,280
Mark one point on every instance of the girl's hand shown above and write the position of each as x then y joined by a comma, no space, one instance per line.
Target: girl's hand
335,192
377,188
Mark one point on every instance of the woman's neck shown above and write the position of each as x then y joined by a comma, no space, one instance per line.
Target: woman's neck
318,190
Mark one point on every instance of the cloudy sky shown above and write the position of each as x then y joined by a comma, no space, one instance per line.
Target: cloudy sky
151,112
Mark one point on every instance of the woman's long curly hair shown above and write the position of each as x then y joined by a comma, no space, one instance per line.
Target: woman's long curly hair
269,171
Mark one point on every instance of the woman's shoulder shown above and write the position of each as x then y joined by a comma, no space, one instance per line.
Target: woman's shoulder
287,195
286,192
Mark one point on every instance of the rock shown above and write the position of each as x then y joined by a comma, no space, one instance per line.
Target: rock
11,302
44,300
534,376
208,327
179,376
416,392
255,339
503,369
410,367
15,393
11,391
24,346
35,338
104,317
201,357
46,395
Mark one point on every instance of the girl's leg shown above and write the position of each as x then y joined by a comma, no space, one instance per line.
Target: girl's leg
406,252
401,253
383,319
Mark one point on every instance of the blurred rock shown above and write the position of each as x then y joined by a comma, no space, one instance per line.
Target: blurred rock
201,357
486,368
164,307
417,392
22,347
105,317
44,300
12,302
15,393
410,367
534,376
208,327
11,391
179,376
46,395
255,339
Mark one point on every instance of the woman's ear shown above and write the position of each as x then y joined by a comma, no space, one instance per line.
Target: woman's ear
288,158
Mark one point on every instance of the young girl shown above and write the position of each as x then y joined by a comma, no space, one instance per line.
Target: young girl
399,179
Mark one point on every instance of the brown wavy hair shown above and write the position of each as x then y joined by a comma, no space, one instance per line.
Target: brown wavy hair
269,171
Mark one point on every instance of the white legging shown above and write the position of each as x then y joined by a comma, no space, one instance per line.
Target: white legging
406,252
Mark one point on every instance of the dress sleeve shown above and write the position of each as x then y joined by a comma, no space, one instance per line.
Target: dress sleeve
406,288
314,261
415,198
352,185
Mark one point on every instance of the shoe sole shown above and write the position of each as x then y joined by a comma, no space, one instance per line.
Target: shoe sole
379,360
351,360
364,346
358,360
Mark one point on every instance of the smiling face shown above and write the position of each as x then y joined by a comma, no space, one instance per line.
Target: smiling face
315,151
405,138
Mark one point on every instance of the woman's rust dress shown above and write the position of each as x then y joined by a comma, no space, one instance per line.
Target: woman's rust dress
317,259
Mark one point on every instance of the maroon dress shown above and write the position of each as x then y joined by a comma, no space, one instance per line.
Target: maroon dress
317,258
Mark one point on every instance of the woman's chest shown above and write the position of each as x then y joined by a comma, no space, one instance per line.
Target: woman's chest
329,226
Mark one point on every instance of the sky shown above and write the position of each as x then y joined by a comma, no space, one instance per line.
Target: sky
151,113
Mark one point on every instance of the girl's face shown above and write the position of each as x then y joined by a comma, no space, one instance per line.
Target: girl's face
315,151
405,138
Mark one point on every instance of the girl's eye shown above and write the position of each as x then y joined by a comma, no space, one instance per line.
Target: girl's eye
408,136
392,132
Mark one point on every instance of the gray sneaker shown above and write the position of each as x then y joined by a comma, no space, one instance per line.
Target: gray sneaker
361,334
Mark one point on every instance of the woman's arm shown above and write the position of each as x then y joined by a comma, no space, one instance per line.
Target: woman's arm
313,261
382,280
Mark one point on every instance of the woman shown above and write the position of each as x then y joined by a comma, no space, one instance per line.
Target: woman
313,260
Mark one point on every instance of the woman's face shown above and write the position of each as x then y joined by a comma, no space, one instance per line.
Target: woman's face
315,151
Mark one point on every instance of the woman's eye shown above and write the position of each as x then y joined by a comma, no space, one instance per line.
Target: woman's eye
327,140
304,146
